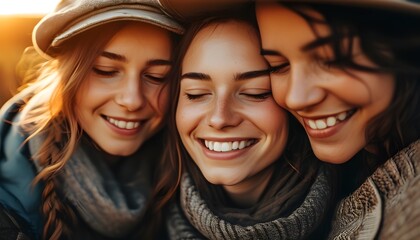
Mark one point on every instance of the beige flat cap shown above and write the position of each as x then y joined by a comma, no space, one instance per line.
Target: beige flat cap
72,17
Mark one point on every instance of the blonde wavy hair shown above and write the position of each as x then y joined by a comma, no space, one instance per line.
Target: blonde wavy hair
48,92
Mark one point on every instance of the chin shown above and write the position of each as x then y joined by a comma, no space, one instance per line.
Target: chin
223,181
332,157
121,152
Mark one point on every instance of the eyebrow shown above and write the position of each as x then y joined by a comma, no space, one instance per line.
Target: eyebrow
196,76
114,56
158,62
251,74
237,77
121,58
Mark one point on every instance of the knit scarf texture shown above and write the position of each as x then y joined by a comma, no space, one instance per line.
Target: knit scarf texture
195,219
110,201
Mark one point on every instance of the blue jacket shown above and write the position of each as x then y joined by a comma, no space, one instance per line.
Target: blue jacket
17,171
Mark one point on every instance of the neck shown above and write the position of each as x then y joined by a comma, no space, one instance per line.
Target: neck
97,151
248,192
111,160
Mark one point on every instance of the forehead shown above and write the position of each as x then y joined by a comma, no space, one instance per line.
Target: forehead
141,34
229,40
284,28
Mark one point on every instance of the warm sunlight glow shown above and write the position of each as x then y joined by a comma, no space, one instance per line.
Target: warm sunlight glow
26,7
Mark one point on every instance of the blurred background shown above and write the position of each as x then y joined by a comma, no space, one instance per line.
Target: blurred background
17,19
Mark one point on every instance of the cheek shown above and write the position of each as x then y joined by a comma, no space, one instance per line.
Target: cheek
182,118
83,93
268,116
91,95
279,89
383,91
189,116
163,99
277,124
83,104
159,99
365,90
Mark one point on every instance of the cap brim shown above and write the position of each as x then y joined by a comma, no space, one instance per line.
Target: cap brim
391,5
154,18
185,9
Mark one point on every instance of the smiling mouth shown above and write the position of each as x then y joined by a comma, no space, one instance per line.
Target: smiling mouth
122,124
330,121
228,146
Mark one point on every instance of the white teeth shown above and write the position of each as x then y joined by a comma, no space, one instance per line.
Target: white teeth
123,124
312,124
217,147
320,124
327,122
331,121
342,116
130,125
235,145
241,144
227,146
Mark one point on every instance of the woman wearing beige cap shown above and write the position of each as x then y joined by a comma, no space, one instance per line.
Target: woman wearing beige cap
349,71
79,143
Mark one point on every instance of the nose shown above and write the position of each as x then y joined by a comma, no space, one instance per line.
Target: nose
223,114
304,90
130,95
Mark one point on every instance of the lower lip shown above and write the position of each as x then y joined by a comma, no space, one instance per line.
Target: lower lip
327,132
123,132
231,155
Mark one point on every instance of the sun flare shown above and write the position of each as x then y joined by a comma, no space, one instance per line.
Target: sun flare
26,7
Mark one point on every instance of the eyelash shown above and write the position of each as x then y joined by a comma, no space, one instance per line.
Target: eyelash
194,96
260,96
154,79
114,72
326,64
104,73
279,69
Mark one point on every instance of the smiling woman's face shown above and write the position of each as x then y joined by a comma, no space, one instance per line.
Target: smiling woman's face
123,100
226,117
334,106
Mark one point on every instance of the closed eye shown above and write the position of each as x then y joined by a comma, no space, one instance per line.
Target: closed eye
194,96
105,73
260,96
155,78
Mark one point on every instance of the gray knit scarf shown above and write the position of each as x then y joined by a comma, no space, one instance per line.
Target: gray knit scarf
111,202
197,221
